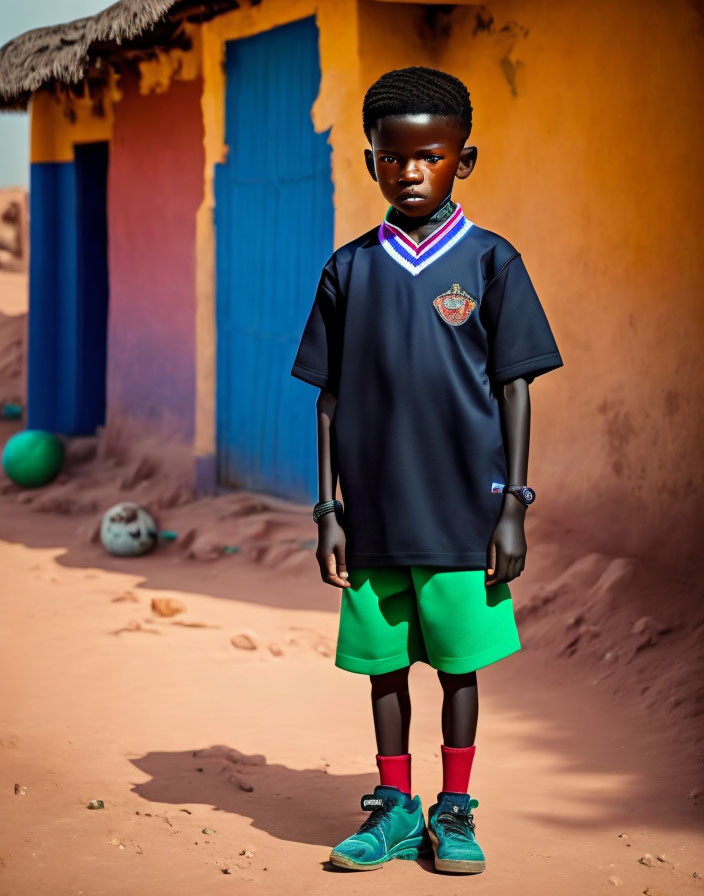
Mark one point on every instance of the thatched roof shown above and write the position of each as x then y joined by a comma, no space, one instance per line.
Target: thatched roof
63,53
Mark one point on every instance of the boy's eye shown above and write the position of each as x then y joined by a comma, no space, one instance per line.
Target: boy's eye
432,158
387,159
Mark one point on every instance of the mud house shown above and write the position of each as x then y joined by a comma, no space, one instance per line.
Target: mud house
194,164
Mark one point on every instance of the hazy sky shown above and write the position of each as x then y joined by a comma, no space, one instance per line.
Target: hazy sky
16,17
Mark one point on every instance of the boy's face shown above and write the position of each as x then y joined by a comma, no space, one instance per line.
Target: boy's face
415,159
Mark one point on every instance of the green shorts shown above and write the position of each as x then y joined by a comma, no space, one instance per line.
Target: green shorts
392,617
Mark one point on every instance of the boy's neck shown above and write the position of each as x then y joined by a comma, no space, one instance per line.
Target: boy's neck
423,225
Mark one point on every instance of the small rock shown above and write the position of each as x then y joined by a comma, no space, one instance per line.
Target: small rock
647,859
245,786
275,650
695,793
648,892
20,789
167,606
697,876
225,871
95,804
208,831
615,881
247,852
187,811
663,858
243,642
323,649
625,836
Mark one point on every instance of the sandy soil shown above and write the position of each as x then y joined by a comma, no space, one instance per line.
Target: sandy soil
178,730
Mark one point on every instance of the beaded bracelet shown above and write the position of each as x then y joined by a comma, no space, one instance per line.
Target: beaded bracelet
323,507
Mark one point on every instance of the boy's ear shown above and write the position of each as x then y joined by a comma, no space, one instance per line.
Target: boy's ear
468,159
369,159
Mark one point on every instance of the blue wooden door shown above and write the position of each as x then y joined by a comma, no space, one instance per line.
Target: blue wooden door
68,293
274,231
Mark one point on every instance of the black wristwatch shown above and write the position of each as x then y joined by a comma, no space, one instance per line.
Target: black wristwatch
524,494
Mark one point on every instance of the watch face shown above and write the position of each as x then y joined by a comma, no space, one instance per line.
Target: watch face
528,495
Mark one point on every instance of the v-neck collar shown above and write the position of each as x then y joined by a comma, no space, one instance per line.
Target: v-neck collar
415,257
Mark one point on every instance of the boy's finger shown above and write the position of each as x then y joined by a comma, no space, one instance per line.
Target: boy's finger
341,566
332,572
491,565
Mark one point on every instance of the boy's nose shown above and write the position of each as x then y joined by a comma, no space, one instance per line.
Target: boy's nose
411,174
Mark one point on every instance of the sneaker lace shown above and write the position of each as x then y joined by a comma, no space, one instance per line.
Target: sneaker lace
375,818
457,822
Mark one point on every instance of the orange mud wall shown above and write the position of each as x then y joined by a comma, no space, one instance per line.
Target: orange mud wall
589,127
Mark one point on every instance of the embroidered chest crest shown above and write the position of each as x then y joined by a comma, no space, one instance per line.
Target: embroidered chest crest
455,305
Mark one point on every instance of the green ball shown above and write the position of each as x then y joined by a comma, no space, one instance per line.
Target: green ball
32,458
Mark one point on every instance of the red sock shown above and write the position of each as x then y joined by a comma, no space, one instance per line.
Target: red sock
395,771
456,767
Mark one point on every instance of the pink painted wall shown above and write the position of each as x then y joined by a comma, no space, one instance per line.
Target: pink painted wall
155,186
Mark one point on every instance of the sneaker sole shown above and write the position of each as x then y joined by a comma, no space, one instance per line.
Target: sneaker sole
407,853
455,866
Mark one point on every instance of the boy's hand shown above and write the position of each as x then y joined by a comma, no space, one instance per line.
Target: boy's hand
331,552
507,548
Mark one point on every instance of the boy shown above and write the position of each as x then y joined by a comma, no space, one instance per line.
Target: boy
423,337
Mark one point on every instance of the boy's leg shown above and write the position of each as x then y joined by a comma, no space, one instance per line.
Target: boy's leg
460,708
465,626
379,636
391,707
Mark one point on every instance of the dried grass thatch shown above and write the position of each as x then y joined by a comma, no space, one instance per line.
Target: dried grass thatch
62,52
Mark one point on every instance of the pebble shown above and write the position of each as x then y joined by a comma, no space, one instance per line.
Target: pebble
615,881
247,852
20,789
95,804
167,606
647,859
695,793
275,650
243,642
208,831
663,858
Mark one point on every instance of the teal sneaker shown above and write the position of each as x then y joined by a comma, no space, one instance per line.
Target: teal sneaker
451,829
394,830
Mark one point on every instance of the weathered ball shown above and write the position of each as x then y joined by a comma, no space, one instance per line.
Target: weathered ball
32,458
128,530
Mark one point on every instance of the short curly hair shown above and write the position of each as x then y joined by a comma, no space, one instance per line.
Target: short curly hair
417,90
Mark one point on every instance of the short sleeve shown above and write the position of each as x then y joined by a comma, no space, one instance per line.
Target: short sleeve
318,358
521,343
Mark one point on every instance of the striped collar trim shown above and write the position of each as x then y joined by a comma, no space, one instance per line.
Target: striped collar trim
415,257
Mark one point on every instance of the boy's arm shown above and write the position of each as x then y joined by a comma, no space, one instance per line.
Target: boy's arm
331,538
507,549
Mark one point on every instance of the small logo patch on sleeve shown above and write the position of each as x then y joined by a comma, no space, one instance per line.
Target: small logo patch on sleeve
497,487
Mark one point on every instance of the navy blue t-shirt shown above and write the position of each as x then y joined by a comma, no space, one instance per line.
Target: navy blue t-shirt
414,340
